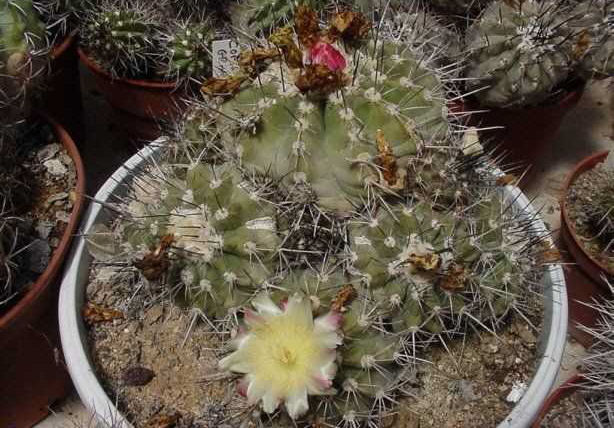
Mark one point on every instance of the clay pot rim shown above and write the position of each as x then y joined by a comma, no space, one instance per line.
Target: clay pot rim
58,49
567,388
579,169
142,83
45,279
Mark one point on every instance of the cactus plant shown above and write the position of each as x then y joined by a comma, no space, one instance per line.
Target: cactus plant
188,47
124,37
594,23
24,47
61,16
461,8
601,213
519,53
307,187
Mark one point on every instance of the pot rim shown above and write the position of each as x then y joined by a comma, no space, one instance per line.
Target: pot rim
566,388
141,83
581,167
58,49
53,269
74,335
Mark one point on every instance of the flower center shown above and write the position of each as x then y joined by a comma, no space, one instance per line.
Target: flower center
287,356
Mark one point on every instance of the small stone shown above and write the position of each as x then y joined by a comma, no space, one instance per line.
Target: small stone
47,152
56,197
39,253
62,216
466,390
43,229
518,390
66,160
137,376
527,335
54,242
55,167
154,314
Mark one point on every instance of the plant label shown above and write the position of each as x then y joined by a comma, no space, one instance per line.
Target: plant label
225,57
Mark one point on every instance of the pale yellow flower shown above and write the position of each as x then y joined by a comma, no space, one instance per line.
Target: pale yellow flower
285,354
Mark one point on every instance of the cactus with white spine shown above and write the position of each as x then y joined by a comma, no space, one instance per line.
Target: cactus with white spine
594,21
518,54
123,36
188,47
62,16
23,47
601,212
296,211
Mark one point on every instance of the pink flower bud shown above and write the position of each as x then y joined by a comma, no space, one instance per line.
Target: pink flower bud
326,54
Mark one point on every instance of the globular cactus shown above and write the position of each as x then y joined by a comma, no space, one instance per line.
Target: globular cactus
62,16
597,371
317,207
124,37
601,212
189,51
23,46
518,54
594,23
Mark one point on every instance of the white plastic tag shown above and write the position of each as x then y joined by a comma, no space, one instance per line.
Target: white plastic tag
225,57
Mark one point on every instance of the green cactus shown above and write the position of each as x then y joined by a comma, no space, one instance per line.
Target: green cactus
601,211
124,37
338,229
23,59
189,51
519,54
593,22
61,16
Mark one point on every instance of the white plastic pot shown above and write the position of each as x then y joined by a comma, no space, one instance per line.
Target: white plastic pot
73,333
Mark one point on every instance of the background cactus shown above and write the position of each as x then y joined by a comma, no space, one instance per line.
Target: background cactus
330,176
124,37
24,46
601,212
61,16
189,51
520,54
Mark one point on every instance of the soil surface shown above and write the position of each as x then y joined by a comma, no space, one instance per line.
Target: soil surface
580,197
566,413
51,178
155,370
476,383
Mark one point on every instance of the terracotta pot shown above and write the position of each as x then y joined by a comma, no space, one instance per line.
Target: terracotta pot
584,275
146,99
562,392
32,374
62,99
527,132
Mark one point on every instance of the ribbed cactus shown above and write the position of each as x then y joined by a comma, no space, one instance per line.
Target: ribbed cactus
23,48
189,50
62,16
317,205
520,52
594,25
124,37
601,211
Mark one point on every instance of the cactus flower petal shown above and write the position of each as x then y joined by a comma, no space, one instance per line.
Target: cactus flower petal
326,54
285,354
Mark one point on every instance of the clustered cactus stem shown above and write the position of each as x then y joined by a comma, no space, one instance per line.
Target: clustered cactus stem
323,186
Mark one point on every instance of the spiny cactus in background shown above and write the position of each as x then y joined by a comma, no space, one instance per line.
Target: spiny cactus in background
23,47
601,211
62,16
594,23
9,246
189,50
123,36
260,16
519,54
597,370
321,186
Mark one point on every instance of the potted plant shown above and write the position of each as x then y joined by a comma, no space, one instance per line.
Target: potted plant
41,186
328,232
586,230
62,95
593,385
527,64
145,58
